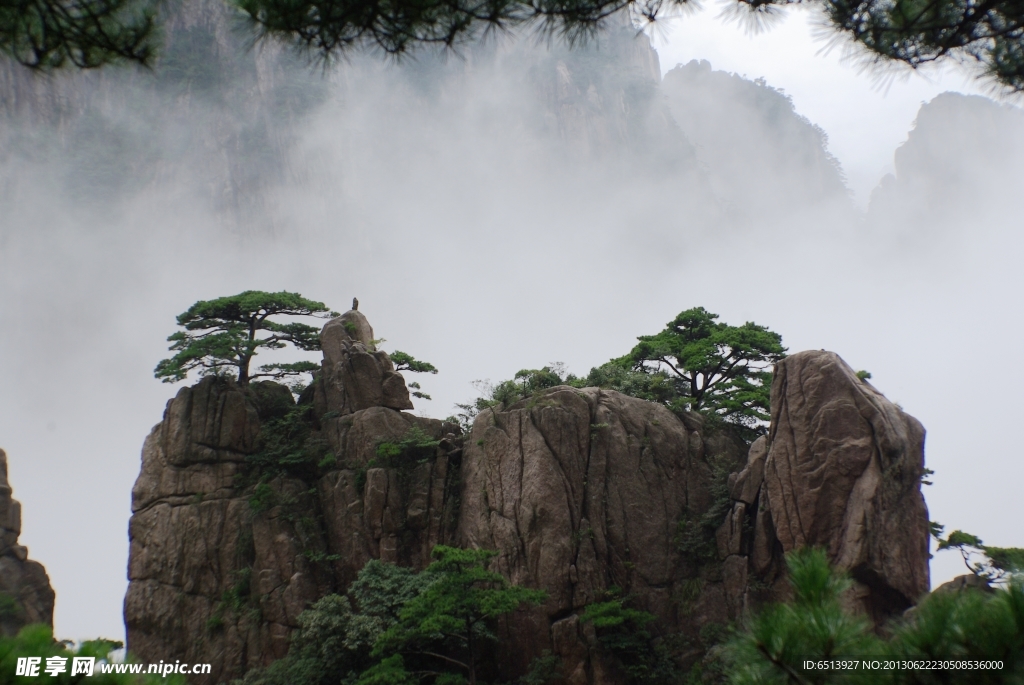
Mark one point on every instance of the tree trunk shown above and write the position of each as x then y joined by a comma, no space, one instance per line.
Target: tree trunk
243,370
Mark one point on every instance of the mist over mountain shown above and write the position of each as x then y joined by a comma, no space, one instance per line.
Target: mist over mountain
962,165
758,153
515,205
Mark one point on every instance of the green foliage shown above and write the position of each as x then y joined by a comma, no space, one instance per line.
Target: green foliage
399,626
917,33
724,371
37,641
319,556
525,384
390,671
417,391
907,31
997,564
651,385
695,364
415,447
10,608
406,362
696,536
446,622
288,443
543,670
48,34
622,631
262,498
814,626
967,624
239,593
223,334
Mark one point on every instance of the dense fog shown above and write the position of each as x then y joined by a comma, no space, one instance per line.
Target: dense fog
514,206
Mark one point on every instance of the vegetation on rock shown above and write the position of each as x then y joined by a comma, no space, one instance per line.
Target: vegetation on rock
406,362
398,626
415,447
222,334
997,564
718,369
696,364
622,631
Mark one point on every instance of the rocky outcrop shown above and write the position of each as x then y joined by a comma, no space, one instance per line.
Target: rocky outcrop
840,469
355,374
227,550
583,493
961,147
25,593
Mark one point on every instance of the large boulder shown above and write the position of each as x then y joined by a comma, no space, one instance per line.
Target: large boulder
355,374
840,469
25,593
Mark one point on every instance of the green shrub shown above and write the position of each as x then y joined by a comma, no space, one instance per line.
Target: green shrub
968,624
415,447
288,444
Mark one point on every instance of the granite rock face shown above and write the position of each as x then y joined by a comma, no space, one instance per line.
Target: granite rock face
580,491
25,589
840,469
224,557
356,375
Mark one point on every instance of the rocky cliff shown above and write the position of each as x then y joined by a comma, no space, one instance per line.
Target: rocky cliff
25,593
581,492
226,551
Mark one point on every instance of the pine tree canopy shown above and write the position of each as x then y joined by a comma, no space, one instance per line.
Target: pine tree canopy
723,370
224,334
48,34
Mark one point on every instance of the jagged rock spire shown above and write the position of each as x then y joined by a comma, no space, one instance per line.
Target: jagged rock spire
21,580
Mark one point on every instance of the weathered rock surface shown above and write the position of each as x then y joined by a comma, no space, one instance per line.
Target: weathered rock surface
25,593
223,561
357,376
840,469
578,490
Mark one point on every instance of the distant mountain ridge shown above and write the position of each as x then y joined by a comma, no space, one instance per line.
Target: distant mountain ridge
962,162
220,121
